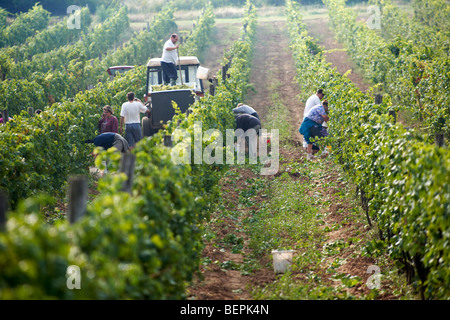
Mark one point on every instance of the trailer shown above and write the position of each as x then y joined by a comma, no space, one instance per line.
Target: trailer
112,71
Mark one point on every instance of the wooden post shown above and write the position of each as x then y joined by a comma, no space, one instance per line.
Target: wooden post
439,139
378,99
127,166
77,198
224,73
5,115
31,111
212,89
3,209
393,114
168,140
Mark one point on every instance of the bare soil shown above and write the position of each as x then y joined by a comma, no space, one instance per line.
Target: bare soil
271,54
339,58
273,61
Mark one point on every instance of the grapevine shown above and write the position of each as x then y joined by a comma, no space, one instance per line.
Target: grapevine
400,172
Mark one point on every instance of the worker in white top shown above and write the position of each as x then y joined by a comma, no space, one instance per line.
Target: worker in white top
169,60
130,115
312,101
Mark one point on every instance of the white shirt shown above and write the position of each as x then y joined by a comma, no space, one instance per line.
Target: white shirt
130,110
169,56
312,101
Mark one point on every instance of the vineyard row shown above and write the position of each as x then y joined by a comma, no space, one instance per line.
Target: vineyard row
402,178
414,72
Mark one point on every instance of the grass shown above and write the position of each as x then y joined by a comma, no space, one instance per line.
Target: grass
278,113
294,216
293,219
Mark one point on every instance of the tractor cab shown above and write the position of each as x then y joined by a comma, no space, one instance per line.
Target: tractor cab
190,76
159,98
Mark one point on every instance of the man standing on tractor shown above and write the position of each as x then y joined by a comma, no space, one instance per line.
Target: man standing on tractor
169,60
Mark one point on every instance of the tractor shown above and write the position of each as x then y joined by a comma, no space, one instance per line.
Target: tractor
159,98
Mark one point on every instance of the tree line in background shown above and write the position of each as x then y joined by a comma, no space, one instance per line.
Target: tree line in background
56,7
59,7
196,4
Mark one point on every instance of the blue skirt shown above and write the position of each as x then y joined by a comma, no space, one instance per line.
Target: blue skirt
305,129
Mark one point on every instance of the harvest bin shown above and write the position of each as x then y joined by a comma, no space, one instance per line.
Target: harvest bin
282,260
165,111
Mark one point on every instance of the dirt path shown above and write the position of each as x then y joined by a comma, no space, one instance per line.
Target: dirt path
269,63
320,30
223,35
219,279
272,64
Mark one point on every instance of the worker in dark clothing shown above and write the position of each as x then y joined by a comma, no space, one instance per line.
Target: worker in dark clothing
243,108
245,121
110,139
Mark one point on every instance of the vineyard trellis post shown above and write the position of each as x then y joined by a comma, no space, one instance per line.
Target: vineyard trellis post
439,139
5,115
225,68
3,209
393,114
127,166
224,72
168,140
77,198
212,87
378,99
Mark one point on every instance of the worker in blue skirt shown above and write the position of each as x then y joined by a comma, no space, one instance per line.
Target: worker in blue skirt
312,125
